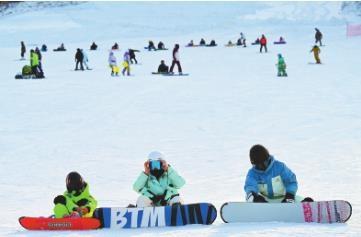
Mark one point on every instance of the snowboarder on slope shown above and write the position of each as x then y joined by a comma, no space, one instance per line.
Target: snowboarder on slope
151,46
202,42
79,58
158,184
40,67
176,60
318,36
112,60
162,67
23,50
126,63
34,62
161,45
281,66
316,53
76,200
93,46
263,42
85,59
270,180
132,55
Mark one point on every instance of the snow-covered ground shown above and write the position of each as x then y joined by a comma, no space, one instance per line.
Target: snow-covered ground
205,124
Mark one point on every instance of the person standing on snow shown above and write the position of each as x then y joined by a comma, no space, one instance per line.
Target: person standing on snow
23,50
281,66
176,60
34,63
132,55
79,58
112,60
126,63
316,53
318,36
76,200
85,59
158,184
37,51
270,180
263,43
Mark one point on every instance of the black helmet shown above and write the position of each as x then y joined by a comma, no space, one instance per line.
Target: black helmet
259,157
74,182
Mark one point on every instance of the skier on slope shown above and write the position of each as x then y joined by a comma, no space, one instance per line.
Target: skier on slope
318,36
176,59
316,53
76,200
112,60
79,57
270,180
158,184
281,66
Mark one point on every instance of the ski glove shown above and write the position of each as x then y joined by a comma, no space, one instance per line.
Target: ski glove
254,197
289,198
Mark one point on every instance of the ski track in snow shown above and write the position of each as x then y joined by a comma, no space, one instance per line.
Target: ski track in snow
205,123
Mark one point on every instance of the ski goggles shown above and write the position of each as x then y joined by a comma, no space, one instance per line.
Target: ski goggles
263,165
155,165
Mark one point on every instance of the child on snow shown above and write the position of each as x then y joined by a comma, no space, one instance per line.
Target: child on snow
76,200
270,180
281,66
126,63
316,53
158,184
113,64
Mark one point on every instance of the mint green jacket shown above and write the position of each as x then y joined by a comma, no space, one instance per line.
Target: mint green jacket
168,183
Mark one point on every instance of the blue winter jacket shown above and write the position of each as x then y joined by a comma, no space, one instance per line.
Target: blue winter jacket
274,182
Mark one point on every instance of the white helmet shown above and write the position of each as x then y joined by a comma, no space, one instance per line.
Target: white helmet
155,155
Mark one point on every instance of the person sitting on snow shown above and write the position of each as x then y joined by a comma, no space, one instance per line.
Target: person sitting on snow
202,42
151,46
162,67
93,46
190,44
161,45
158,184
60,48
76,200
270,180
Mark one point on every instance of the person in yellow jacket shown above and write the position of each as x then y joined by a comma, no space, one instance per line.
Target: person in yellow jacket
316,53
34,61
76,200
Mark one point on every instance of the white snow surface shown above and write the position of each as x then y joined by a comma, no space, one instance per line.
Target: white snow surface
205,123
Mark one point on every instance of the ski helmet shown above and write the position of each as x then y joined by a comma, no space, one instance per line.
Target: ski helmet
74,182
155,163
259,157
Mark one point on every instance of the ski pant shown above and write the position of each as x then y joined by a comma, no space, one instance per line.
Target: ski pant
317,58
178,65
318,40
77,64
22,54
144,201
133,58
282,72
263,46
86,64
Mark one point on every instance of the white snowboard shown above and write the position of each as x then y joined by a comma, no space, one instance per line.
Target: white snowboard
320,212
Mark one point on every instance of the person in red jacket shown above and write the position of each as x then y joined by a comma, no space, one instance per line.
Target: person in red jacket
176,60
263,43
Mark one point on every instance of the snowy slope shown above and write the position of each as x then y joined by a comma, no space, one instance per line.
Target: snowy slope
205,124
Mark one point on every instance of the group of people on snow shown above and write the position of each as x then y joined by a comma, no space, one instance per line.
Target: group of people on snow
268,180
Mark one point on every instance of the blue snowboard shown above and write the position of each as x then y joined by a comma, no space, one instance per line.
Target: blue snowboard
176,215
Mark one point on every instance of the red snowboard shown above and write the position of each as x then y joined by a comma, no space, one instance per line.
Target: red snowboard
45,223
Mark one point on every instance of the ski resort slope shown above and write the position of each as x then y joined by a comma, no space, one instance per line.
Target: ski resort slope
205,124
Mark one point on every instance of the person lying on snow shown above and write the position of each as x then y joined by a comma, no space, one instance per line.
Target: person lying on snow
270,180
76,200
158,184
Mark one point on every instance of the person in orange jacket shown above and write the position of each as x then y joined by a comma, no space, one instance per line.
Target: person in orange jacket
263,43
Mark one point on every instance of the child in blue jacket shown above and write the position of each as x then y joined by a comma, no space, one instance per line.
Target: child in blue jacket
270,180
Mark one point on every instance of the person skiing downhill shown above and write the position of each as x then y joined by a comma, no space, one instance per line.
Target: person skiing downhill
318,36
176,59
263,43
270,180
23,50
76,200
126,63
158,184
316,53
281,66
112,60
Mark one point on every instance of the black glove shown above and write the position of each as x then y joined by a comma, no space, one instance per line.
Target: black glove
256,197
289,198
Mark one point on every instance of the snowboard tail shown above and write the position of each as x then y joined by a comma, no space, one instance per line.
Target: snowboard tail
336,211
45,223
176,215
